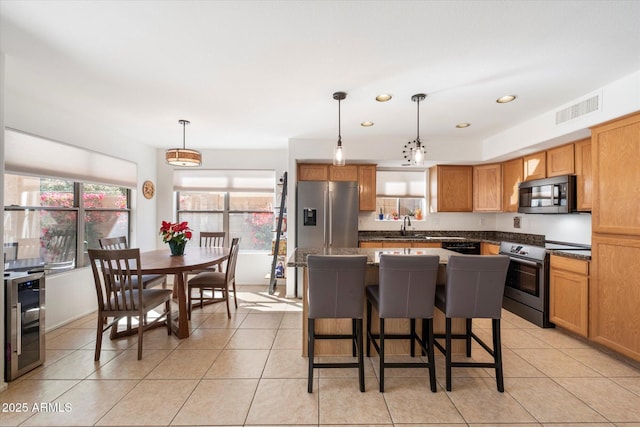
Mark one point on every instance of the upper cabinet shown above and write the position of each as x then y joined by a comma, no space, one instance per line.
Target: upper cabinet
535,166
367,187
616,175
313,172
487,188
451,188
343,173
512,173
364,175
584,175
560,161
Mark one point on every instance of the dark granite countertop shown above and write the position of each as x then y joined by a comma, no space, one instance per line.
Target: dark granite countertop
299,256
584,255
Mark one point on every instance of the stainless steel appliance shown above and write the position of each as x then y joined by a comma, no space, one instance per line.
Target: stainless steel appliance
555,195
24,323
526,291
327,214
468,248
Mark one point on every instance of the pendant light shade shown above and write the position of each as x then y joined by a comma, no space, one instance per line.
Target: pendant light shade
338,154
417,155
183,156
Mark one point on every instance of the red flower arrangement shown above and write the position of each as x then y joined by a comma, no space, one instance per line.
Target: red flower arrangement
175,232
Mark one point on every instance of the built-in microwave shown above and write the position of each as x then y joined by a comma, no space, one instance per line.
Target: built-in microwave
555,195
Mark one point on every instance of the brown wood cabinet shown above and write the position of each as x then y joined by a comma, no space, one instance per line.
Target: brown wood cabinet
569,294
535,166
365,175
489,249
313,172
388,243
584,175
451,188
367,187
343,173
614,295
487,188
512,173
616,176
560,161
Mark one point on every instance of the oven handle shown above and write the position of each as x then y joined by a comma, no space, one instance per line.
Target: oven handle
524,261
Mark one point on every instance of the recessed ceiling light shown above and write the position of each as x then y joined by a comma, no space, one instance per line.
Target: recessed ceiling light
463,125
366,124
505,99
383,97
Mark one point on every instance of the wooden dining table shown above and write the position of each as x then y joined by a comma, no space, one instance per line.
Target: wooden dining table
161,261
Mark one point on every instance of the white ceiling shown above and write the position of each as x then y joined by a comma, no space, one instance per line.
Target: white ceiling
254,74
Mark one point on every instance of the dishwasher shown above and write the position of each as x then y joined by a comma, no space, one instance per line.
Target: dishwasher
467,248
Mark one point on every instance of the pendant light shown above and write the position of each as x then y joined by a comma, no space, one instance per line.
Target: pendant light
417,157
183,156
338,154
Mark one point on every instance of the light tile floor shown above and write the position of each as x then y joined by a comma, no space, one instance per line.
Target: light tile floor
247,370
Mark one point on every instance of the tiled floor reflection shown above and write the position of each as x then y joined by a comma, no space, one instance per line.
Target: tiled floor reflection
247,370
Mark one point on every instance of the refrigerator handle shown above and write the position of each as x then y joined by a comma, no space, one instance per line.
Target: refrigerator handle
330,219
18,328
324,215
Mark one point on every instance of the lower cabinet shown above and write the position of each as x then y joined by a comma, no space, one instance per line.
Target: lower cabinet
399,244
569,294
489,249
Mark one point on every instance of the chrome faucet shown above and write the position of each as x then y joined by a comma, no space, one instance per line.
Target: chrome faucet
405,221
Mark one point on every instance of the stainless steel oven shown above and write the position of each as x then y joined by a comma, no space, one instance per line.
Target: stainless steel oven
526,290
24,323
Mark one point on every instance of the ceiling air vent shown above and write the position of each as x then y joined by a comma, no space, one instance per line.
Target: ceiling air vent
587,106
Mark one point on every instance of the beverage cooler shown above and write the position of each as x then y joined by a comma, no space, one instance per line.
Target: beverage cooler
24,323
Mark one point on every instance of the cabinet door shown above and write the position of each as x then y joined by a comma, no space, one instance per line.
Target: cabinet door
569,294
370,244
614,294
451,188
426,245
535,166
487,188
367,187
343,173
584,175
396,244
312,172
616,177
560,161
512,172
489,249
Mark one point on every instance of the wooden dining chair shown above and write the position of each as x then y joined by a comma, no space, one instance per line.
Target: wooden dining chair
212,239
120,242
121,294
212,281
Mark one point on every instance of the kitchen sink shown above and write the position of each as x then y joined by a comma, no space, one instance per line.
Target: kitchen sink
422,236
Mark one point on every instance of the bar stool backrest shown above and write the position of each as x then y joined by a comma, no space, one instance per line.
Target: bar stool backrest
336,286
408,286
475,285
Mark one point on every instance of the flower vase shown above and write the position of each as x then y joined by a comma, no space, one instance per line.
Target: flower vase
177,248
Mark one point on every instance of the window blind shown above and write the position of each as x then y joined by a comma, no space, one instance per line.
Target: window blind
33,155
224,180
401,183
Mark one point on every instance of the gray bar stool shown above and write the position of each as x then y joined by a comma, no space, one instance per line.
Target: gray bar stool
474,289
406,291
336,291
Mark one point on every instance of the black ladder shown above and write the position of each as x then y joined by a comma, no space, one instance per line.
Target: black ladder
276,248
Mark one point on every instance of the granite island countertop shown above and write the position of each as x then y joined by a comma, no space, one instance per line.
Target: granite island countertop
299,256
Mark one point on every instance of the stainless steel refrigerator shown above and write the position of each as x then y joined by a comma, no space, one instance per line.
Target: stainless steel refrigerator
327,214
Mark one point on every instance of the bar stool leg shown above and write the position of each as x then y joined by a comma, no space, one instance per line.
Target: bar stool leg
468,333
381,355
431,359
497,354
368,343
360,355
412,341
448,352
311,338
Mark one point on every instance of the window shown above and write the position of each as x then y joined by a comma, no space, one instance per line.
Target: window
237,202
400,193
56,220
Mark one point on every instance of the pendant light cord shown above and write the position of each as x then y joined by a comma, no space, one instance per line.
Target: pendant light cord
339,135
418,126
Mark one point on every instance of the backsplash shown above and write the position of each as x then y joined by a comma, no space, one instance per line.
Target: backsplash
574,228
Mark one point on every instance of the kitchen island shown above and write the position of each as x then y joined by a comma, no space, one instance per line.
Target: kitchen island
343,326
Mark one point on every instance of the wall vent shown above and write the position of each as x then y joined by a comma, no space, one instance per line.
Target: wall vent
587,106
